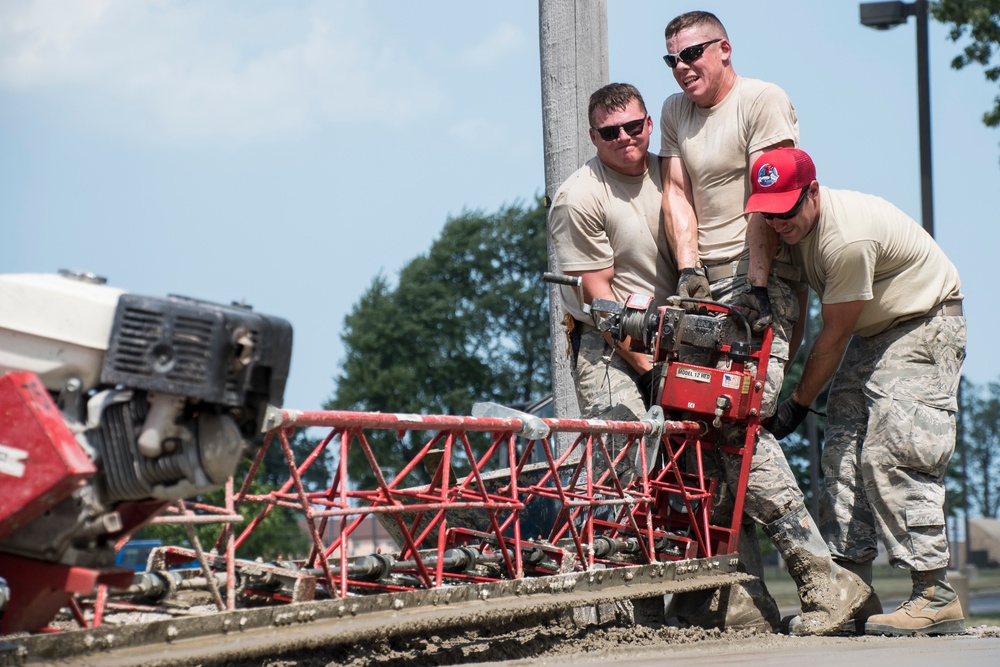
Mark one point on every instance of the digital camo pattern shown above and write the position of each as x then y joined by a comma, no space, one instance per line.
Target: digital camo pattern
889,436
606,389
605,384
771,488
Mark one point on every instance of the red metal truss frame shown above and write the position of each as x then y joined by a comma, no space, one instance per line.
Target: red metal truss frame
429,520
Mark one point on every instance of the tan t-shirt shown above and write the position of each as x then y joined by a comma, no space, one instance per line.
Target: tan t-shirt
601,218
715,145
865,249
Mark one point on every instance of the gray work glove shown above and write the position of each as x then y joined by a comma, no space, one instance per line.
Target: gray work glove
786,418
693,284
756,299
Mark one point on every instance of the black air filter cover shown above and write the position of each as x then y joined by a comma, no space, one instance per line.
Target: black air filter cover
197,349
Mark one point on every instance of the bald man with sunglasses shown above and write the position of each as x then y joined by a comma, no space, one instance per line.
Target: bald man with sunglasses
893,340
710,134
605,227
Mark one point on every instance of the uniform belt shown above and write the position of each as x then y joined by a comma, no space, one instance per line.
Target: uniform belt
583,325
740,267
946,308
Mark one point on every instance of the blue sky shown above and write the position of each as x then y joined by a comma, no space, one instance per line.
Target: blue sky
286,153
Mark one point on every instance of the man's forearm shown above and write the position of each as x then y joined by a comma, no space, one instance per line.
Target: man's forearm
822,363
682,230
763,242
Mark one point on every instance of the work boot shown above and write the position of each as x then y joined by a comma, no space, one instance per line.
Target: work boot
743,606
855,625
829,593
933,609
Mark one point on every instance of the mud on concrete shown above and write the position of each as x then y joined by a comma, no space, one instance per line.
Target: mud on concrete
556,641
525,639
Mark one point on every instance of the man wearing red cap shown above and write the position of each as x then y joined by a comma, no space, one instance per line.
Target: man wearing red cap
710,134
893,324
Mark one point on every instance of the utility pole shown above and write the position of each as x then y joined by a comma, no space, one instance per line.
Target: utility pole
573,42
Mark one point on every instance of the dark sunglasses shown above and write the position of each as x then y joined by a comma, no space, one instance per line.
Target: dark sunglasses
793,212
688,55
612,132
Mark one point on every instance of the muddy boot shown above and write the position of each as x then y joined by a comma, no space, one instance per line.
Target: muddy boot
933,609
741,606
856,624
829,594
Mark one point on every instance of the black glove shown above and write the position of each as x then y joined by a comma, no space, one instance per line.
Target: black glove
786,418
693,284
756,299
648,383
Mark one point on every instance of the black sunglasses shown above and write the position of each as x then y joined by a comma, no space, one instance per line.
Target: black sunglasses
612,132
688,55
793,212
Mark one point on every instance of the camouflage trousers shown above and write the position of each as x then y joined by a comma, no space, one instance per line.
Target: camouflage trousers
606,389
889,436
771,488
605,384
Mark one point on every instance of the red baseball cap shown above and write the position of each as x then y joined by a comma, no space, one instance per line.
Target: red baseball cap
777,179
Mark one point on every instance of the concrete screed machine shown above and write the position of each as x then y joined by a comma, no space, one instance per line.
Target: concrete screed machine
114,406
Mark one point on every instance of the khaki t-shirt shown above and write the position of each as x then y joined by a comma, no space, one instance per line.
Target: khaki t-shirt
601,218
715,145
865,249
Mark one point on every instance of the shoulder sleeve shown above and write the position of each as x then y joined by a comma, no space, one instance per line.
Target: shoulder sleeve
771,119
850,273
668,130
579,239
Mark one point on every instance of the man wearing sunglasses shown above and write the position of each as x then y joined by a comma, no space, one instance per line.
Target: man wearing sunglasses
710,133
893,323
605,227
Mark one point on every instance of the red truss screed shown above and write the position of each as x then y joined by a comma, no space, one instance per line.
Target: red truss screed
517,508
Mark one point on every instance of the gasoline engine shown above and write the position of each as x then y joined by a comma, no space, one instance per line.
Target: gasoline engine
112,405
704,350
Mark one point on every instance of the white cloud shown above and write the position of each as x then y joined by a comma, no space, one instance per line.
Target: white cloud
210,69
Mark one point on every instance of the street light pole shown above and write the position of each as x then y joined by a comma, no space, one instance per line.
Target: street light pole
924,102
885,15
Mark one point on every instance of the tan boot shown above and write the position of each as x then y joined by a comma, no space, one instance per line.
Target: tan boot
933,609
855,625
829,594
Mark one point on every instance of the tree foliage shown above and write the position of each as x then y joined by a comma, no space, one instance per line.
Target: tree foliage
466,322
980,438
980,20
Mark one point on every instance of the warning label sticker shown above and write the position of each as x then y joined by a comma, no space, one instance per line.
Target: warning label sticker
12,461
693,374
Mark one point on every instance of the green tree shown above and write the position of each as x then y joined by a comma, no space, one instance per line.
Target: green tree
466,322
980,435
980,19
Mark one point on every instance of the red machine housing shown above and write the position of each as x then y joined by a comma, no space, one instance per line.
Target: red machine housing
41,461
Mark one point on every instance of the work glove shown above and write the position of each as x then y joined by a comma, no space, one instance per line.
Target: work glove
786,418
649,383
756,299
693,284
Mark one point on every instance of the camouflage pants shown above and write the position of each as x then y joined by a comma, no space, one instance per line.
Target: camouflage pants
605,384
889,436
771,488
606,389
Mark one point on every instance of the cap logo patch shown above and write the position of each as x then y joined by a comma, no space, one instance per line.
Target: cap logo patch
767,175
